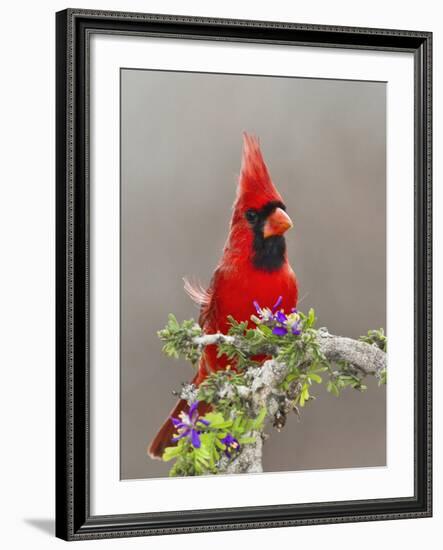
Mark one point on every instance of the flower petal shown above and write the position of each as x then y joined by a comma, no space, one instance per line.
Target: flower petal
227,440
281,317
192,409
203,421
181,435
195,439
277,303
177,422
231,444
257,307
279,331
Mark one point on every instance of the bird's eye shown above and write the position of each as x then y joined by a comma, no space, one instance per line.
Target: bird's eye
251,215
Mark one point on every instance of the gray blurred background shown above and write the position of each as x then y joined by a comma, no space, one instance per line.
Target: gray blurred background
325,145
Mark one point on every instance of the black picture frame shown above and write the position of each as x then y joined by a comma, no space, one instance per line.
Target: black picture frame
73,30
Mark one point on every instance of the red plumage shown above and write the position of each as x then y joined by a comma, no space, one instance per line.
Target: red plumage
239,278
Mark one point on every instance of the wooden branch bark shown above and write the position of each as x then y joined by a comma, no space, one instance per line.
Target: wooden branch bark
369,359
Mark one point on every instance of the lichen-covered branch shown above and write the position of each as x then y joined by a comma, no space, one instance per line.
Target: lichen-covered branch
231,436
369,359
263,386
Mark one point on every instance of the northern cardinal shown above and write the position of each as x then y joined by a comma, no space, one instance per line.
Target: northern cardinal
253,268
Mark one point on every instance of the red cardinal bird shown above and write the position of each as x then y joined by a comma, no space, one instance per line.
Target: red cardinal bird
254,267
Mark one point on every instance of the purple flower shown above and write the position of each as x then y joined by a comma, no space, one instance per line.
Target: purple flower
186,425
266,314
231,444
280,328
280,323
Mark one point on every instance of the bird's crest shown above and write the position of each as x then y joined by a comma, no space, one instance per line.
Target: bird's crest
255,187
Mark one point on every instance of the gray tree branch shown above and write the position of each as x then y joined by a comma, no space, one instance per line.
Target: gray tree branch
263,386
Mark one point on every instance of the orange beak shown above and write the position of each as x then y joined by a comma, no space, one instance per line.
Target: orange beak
277,223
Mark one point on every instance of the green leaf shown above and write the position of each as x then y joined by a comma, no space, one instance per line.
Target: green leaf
311,317
257,423
171,452
332,388
220,445
267,331
245,440
217,421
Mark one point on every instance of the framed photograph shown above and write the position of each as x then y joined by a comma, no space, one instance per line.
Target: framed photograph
243,274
